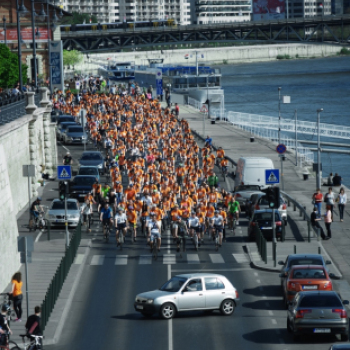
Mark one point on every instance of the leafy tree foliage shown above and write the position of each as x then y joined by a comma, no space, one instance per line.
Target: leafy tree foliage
72,57
79,18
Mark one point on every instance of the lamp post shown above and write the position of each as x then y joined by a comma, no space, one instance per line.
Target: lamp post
4,21
21,12
319,173
34,45
279,115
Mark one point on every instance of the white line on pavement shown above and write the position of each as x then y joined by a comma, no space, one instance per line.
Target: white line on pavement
256,274
270,313
38,236
273,321
264,297
170,323
258,281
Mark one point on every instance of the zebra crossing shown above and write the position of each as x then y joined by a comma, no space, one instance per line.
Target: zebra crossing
166,259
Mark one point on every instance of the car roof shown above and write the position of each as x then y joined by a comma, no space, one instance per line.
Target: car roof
80,176
299,256
68,200
89,166
315,293
191,275
92,152
345,346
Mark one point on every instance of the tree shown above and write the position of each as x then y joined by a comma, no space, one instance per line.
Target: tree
79,18
9,72
72,57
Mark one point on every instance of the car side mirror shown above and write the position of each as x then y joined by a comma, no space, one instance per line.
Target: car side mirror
328,262
346,302
332,275
280,262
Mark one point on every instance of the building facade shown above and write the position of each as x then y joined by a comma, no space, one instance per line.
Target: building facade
309,8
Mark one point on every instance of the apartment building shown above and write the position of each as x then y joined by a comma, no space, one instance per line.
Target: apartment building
308,8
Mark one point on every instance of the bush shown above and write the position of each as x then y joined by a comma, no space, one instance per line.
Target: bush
283,57
344,51
224,61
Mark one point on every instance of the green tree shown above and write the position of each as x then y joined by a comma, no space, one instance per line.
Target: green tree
79,18
72,57
9,72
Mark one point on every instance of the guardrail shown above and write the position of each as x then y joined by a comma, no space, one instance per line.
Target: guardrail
60,277
16,109
261,243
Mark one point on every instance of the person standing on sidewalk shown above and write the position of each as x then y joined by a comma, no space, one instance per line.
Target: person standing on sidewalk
315,223
328,218
17,295
329,198
342,199
317,198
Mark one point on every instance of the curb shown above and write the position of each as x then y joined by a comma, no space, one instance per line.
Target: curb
66,310
259,267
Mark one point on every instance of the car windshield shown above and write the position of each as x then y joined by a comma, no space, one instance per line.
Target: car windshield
91,156
247,188
75,129
60,205
266,216
66,126
305,262
84,181
320,301
88,171
309,273
173,285
65,119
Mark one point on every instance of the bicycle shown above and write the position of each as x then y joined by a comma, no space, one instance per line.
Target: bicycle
182,244
10,314
38,222
121,239
194,237
88,218
34,344
8,343
217,244
155,249
224,171
107,230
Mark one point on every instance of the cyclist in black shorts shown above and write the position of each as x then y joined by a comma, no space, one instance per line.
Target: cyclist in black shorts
106,216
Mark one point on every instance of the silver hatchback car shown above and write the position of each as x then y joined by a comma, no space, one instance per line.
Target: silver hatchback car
188,292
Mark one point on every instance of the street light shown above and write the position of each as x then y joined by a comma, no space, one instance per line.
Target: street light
4,21
319,172
34,45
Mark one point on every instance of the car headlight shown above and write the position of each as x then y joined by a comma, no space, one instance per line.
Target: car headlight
149,301
69,138
100,166
73,216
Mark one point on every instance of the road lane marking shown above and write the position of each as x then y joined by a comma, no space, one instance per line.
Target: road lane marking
258,281
38,236
273,321
121,260
256,274
170,322
240,258
145,259
193,259
264,297
216,258
169,259
270,313
97,260
79,259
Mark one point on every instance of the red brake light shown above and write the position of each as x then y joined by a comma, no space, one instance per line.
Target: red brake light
284,206
237,295
238,195
301,313
278,223
328,286
341,312
257,207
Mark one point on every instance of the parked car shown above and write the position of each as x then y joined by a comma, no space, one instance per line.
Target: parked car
263,218
251,171
305,278
318,313
56,213
188,292
81,186
61,128
92,158
74,134
259,201
89,170
301,259
65,118
243,192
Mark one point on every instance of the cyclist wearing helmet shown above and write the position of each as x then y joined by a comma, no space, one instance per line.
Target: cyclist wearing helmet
218,222
120,223
106,216
35,208
182,231
131,215
4,327
154,231
233,210
67,159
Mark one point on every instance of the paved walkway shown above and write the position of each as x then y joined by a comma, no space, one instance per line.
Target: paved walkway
236,143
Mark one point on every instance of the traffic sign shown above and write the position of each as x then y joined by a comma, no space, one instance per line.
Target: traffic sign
281,148
64,172
272,176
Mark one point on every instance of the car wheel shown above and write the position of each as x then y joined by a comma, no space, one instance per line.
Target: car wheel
147,314
167,311
227,307
289,329
344,337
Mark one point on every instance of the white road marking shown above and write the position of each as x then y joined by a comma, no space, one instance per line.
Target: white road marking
264,297
169,259
273,321
270,313
38,236
258,281
145,259
97,260
216,258
240,258
170,322
121,260
193,259
79,259
256,274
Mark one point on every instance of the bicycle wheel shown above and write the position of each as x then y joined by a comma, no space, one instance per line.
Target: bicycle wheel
195,238
155,250
121,239
14,348
108,231
216,241
181,247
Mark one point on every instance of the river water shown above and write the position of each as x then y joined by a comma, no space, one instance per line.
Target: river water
311,84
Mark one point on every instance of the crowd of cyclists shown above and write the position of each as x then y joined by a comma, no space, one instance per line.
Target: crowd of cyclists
170,181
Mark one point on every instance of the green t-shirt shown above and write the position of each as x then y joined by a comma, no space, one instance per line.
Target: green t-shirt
105,191
212,180
233,207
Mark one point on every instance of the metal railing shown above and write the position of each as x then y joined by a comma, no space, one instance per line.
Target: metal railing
60,277
260,242
16,109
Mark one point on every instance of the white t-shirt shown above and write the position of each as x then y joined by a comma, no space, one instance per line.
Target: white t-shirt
193,222
120,218
218,220
153,226
86,209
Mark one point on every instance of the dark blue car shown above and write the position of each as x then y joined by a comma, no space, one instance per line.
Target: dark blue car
81,186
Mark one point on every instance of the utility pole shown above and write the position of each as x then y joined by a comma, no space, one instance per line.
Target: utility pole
319,172
279,115
296,138
65,213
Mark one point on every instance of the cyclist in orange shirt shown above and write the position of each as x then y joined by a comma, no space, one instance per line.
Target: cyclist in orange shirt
223,213
174,215
131,215
220,154
209,216
130,192
201,213
213,197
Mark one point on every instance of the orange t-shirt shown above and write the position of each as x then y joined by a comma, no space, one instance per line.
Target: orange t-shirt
131,216
18,288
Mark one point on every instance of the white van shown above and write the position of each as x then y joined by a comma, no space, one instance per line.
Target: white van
251,171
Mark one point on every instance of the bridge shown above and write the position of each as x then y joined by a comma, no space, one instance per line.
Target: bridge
333,29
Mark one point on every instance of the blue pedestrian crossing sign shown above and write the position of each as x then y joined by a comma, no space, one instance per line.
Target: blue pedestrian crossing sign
272,176
64,172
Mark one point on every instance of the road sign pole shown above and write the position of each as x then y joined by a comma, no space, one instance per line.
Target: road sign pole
65,215
282,178
28,194
26,272
274,240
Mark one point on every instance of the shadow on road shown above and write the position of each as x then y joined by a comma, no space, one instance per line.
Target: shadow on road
265,305
269,291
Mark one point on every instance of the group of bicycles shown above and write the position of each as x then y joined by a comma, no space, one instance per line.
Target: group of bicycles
30,341
162,165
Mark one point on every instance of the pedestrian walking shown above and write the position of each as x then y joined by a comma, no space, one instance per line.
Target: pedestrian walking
33,323
328,218
329,198
341,200
16,294
317,199
315,222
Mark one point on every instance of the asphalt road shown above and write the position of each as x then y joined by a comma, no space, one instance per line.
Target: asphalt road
102,314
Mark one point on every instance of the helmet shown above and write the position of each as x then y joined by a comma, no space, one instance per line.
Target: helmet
216,211
67,153
39,199
5,307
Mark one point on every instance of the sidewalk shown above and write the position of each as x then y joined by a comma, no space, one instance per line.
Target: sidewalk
236,143
46,258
